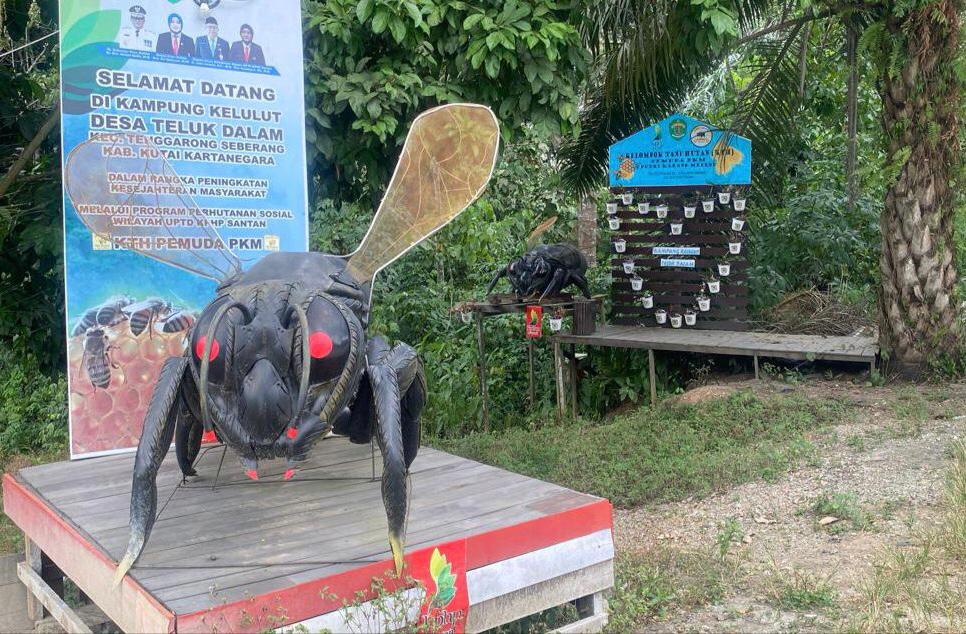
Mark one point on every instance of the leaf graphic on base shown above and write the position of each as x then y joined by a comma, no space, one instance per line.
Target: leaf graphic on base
445,580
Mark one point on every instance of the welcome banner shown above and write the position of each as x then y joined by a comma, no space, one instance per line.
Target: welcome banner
217,98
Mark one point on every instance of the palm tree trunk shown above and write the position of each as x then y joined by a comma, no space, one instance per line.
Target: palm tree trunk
920,95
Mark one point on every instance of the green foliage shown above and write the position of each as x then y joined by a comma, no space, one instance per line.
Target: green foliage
844,506
373,65
666,453
31,240
33,408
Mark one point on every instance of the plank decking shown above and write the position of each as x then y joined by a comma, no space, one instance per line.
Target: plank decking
214,546
851,348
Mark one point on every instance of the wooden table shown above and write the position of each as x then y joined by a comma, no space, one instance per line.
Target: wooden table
856,348
250,556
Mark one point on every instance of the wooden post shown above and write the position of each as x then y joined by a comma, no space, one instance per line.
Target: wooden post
559,380
34,560
484,395
756,367
533,391
573,382
653,376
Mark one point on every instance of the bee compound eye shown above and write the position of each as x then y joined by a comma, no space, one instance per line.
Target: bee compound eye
200,348
320,344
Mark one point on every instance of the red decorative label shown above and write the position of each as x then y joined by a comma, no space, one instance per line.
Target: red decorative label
534,321
442,572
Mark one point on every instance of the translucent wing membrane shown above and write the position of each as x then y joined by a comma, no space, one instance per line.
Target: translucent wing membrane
447,159
127,194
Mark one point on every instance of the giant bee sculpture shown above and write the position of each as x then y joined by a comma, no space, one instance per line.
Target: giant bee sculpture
281,356
544,271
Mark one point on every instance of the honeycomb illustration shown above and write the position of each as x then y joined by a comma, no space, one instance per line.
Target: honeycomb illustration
110,418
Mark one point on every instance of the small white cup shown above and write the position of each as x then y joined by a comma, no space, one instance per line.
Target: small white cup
660,316
724,197
620,245
628,266
612,208
704,304
714,286
614,223
647,301
627,198
643,208
690,318
676,228
724,269
737,224
675,321
637,283
556,323
734,248
689,211
661,211
740,204
707,206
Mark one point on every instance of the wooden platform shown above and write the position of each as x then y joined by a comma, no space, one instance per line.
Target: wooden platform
856,348
247,556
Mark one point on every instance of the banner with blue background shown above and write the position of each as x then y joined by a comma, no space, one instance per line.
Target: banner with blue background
220,94
680,151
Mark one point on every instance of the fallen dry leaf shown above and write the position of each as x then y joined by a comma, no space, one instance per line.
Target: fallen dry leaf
828,519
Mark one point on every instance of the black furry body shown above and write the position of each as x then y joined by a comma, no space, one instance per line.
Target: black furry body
545,271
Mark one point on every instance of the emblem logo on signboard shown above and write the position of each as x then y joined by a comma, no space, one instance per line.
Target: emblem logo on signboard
626,168
678,129
700,135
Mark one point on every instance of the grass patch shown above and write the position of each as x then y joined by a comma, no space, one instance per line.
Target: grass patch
844,506
911,410
647,587
923,588
801,591
666,453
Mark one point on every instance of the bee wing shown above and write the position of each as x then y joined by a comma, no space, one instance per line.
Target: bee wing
534,238
126,192
447,159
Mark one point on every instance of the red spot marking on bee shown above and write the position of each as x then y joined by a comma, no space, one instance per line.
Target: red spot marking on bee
200,348
288,474
291,432
251,473
320,344
209,436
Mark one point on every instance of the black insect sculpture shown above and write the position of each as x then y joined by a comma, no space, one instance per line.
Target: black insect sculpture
545,270
281,356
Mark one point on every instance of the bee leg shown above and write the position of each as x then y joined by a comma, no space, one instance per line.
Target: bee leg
581,283
187,440
399,393
159,424
493,282
556,284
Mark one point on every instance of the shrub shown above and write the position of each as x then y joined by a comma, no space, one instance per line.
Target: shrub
33,407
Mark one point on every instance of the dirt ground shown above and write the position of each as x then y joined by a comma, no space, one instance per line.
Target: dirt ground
779,567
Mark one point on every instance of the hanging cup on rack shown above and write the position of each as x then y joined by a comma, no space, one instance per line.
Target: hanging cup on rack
737,224
676,228
660,316
628,266
620,245
627,198
661,211
740,203
612,207
724,269
707,206
643,208
614,223
724,197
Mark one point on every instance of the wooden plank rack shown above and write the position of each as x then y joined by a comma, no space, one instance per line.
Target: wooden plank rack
854,348
231,555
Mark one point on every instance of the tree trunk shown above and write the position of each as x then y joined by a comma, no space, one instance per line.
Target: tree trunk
587,229
920,99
